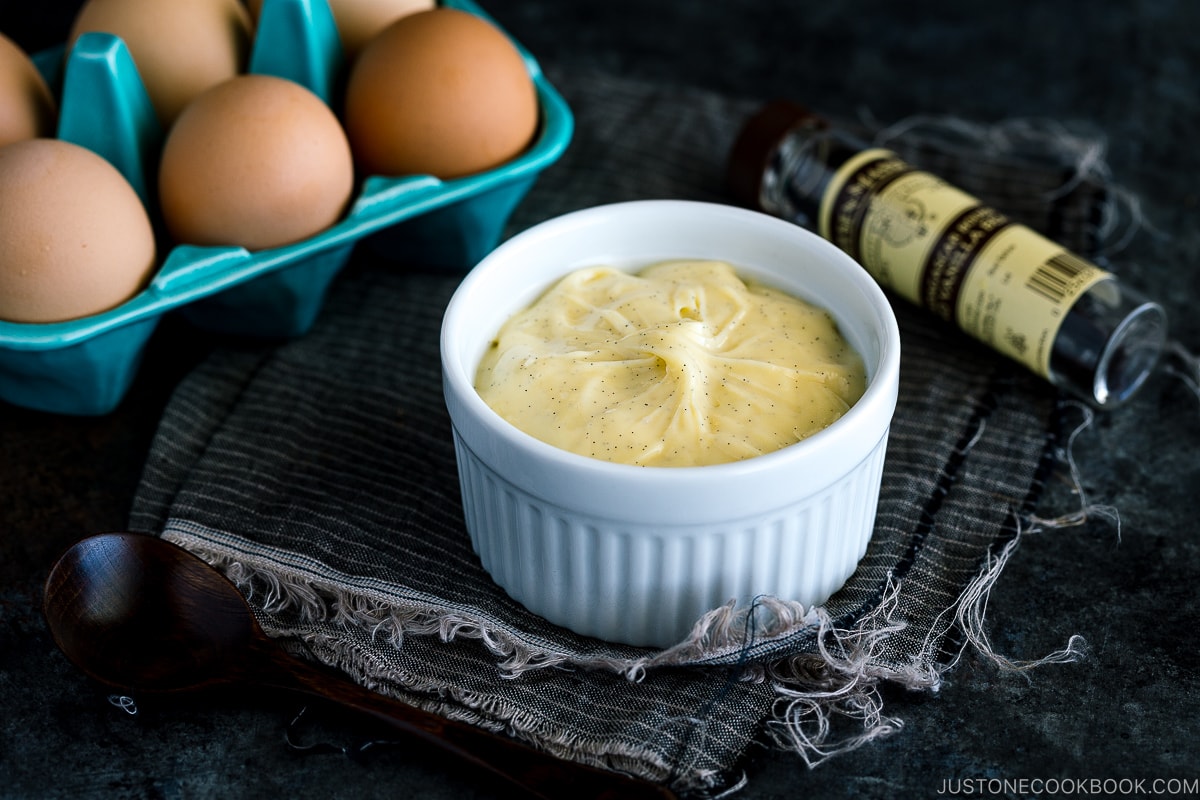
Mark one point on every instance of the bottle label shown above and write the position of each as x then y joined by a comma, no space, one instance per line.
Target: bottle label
942,249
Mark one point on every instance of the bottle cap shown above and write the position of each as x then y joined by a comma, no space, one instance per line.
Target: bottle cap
757,142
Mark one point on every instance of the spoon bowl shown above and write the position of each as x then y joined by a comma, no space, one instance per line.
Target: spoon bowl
140,614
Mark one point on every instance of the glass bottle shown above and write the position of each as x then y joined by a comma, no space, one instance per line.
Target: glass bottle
1027,297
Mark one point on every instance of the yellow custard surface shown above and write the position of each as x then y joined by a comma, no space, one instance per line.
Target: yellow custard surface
683,363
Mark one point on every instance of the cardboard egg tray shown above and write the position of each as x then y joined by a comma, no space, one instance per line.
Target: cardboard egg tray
85,366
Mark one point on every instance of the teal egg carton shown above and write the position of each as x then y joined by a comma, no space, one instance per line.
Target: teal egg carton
85,366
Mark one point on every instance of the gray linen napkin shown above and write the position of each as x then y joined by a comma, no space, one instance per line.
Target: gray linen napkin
319,475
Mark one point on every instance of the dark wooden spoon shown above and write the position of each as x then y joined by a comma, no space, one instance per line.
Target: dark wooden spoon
142,615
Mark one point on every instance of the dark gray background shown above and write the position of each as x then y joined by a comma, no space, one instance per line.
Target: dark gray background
1129,710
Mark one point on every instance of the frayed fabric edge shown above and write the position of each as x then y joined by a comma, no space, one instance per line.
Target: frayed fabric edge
279,591
841,682
818,695
828,702
278,594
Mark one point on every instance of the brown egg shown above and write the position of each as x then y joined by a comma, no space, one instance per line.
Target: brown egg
439,92
27,108
359,20
256,161
180,47
77,240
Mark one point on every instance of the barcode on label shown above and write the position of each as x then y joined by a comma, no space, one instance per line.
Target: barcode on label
1054,279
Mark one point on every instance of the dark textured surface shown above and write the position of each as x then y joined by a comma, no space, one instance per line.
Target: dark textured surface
1129,710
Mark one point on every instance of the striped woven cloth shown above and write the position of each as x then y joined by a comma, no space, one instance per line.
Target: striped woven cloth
319,474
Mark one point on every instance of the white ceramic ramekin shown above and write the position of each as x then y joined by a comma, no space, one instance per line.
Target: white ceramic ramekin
638,554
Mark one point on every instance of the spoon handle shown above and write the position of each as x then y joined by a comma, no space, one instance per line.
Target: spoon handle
537,773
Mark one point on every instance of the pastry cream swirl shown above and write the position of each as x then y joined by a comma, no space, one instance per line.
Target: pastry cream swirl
682,364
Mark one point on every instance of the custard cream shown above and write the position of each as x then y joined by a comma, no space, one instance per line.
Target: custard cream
681,364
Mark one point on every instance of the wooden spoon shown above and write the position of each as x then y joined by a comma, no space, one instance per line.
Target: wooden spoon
140,614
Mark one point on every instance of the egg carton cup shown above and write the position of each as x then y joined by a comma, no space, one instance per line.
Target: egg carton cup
85,366
638,554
